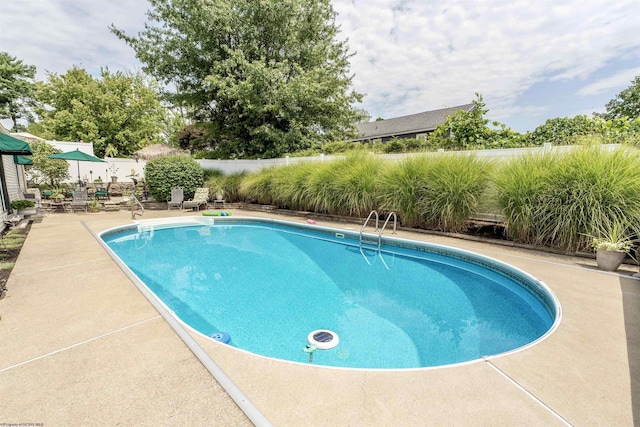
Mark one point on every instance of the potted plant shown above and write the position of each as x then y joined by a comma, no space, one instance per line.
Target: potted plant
94,206
612,245
21,205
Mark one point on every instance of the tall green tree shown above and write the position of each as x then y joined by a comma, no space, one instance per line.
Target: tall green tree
16,88
625,104
269,76
119,113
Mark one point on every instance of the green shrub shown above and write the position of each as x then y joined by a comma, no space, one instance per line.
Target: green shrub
164,173
394,146
21,204
415,144
562,130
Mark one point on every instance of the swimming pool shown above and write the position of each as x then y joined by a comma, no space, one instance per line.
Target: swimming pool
268,284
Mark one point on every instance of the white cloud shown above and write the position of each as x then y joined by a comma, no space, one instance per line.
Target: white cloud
431,54
614,82
412,55
56,34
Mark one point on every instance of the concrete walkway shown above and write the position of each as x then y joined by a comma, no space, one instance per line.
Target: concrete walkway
81,346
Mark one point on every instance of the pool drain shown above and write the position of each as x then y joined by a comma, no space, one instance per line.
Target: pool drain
323,339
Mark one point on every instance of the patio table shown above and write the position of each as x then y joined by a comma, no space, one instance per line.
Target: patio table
54,206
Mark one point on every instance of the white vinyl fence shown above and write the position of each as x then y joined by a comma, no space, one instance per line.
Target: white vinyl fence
124,168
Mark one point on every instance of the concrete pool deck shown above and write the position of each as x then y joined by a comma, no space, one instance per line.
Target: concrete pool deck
80,345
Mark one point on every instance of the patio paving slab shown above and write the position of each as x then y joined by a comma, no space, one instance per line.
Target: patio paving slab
81,340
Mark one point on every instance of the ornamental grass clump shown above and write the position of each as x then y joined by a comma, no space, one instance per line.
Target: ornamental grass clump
258,186
227,185
519,186
320,187
346,186
289,185
585,191
354,189
401,187
455,185
439,192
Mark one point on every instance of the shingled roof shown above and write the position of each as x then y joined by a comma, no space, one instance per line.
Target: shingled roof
406,126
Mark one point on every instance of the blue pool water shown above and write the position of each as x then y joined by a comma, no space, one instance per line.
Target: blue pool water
268,285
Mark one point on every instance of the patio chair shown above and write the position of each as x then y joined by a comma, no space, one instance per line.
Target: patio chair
103,194
177,197
79,201
200,198
36,194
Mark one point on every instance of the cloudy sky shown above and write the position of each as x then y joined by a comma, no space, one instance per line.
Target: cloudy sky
531,60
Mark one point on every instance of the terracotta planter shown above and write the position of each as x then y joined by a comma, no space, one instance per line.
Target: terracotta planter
609,260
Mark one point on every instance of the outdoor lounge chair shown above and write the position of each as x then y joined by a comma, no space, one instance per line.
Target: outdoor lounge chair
200,198
79,201
177,197
103,194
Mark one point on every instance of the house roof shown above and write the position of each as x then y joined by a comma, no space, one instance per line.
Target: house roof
415,123
26,136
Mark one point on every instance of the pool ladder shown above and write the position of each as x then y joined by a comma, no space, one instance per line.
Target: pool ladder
363,237
133,202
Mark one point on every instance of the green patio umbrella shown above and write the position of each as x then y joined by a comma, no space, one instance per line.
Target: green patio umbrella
22,160
11,145
78,156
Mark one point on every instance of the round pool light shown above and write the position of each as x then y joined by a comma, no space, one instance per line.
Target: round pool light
323,339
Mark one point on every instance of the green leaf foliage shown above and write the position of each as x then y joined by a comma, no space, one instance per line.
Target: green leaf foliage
119,113
626,104
16,88
164,173
44,169
21,204
469,130
268,76
584,130
563,130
